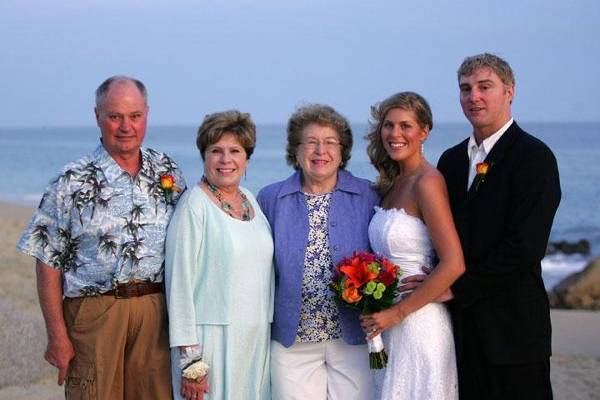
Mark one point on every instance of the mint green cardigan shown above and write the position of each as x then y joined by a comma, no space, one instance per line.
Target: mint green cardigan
199,264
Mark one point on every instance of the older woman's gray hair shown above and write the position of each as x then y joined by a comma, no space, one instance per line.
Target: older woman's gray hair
232,122
322,115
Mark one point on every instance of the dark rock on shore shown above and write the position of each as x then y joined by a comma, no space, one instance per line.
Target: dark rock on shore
580,247
580,290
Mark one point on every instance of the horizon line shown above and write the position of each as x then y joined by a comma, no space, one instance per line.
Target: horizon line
188,124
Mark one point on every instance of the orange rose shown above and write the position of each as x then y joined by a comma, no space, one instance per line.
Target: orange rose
167,181
351,295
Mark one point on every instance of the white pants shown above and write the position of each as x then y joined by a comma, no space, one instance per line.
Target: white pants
331,370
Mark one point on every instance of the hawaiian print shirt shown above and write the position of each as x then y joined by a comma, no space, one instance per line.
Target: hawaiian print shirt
319,316
100,226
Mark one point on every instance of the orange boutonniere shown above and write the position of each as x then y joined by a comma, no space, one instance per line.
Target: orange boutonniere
482,169
167,184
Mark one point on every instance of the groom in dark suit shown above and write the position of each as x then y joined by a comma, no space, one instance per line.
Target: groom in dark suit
504,191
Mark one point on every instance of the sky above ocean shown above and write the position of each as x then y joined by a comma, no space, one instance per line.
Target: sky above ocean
266,57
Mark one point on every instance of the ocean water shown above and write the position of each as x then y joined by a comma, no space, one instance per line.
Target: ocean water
29,157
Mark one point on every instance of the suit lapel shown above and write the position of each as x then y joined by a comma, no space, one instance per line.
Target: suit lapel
462,172
494,159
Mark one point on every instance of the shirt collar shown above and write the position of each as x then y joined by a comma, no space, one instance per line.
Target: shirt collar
344,182
111,170
489,142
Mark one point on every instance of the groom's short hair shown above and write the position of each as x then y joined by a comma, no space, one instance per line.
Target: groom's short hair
487,60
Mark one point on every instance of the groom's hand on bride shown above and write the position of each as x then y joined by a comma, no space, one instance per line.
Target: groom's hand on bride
410,283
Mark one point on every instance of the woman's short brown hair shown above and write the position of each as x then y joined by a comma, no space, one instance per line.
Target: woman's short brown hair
234,122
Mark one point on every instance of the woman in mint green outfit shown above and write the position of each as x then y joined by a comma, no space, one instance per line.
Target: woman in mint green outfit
219,272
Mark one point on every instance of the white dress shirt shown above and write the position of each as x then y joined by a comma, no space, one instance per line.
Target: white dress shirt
478,153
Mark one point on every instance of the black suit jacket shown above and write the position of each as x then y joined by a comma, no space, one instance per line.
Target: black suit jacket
504,225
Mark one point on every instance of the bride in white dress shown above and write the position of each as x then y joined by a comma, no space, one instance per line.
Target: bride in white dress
413,225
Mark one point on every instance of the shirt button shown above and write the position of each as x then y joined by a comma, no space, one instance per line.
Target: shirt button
336,247
333,223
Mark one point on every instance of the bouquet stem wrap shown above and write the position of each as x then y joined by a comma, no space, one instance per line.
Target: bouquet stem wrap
377,355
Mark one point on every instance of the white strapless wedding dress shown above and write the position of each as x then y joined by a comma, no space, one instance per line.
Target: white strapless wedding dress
422,361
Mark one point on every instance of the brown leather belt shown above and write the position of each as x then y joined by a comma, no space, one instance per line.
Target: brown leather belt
135,289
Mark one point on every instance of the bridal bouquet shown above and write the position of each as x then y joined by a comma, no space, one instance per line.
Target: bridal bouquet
367,283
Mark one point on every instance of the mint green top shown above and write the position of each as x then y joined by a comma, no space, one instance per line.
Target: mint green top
220,285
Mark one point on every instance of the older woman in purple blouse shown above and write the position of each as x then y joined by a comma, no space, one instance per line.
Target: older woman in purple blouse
319,215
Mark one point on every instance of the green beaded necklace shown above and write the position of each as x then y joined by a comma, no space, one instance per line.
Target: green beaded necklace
227,207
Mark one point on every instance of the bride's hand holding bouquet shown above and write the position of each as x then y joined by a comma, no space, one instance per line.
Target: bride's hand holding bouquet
374,324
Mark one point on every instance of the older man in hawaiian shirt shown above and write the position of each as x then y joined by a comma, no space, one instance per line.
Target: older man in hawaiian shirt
98,237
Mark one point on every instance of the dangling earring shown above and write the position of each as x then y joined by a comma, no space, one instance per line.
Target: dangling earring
245,174
422,147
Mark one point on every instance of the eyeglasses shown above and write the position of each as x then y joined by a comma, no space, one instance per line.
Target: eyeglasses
329,144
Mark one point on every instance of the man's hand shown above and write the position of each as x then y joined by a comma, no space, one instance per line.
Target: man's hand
59,353
60,349
412,282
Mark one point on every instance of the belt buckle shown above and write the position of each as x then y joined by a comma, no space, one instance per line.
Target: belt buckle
119,295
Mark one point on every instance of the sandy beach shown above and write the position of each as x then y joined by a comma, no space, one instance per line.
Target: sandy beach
25,375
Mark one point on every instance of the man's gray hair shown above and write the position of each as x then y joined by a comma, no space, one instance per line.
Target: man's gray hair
104,86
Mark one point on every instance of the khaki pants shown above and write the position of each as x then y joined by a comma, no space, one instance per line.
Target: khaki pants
121,348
